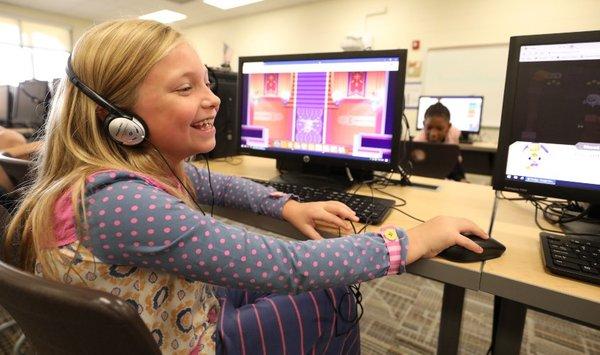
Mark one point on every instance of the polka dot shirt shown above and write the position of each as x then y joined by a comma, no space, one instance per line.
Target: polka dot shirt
131,220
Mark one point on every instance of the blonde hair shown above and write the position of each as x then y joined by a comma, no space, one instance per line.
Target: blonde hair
113,59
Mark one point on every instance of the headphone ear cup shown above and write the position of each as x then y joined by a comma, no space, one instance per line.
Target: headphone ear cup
129,131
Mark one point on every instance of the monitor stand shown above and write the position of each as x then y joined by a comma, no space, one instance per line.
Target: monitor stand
319,175
583,226
465,138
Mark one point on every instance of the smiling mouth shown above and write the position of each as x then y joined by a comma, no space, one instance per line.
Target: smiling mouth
204,125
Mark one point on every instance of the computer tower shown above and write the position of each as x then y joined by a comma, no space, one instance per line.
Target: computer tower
227,120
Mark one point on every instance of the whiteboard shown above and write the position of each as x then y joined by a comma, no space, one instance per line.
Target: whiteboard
473,70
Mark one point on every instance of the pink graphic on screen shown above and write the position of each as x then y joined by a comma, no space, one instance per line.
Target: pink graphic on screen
327,111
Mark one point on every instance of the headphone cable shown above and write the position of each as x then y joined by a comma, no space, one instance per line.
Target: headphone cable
174,174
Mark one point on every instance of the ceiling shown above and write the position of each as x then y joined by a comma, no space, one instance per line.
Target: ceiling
197,12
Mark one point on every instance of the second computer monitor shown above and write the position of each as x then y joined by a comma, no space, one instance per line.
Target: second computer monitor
465,111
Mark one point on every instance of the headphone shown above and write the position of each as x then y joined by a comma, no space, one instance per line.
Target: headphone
122,127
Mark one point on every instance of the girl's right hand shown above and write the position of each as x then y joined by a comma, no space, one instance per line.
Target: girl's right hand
430,238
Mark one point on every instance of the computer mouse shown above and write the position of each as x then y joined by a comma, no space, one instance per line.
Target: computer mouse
491,250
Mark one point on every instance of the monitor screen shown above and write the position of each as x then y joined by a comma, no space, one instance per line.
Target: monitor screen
465,111
550,131
330,108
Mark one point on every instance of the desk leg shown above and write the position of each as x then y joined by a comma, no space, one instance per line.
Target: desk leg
452,306
509,322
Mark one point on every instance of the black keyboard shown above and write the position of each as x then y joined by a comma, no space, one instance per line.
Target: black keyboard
572,256
371,210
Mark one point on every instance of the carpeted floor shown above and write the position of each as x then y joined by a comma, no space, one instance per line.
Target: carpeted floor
402,316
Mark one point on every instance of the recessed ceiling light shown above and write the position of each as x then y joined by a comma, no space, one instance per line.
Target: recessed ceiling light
164,16
229,4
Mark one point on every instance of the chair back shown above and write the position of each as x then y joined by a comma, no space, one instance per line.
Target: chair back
63,319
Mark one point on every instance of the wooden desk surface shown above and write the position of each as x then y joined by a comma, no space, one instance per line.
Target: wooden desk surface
451,198
520,274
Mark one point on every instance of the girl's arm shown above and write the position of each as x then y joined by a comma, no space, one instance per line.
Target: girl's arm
236,192
132,222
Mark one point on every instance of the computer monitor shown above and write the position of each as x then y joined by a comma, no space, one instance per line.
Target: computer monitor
29,109
549,140
333,115
465,111
5,105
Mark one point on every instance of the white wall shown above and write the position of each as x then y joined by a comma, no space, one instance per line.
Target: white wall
76,25
320,26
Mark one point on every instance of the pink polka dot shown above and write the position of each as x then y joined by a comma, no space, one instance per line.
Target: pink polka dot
102,225
315,264
214,258
183,228
206,233
150,219
151,243
181,244
152,207
171,259
259,263
105,199
243,258
134,233
182,217
248,270
120,197
321,273
210,246
137,196
118,210
194,239
102,212
121,245
106,247
102,236
275,268
226,253
168,217
167,230
222,240
150,231
184,256
134,208
117,222
264,275
238,246
133,220
118,234
198,251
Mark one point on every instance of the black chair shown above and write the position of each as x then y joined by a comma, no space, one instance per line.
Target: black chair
17,170
63,319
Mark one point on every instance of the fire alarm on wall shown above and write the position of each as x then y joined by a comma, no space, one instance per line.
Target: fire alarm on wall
416,44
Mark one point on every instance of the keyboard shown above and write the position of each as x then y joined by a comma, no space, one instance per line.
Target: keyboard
577,257
370,210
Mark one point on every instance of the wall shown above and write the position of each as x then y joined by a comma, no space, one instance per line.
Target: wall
321,26
76,25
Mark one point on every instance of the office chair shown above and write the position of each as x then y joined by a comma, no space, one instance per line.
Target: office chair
63,319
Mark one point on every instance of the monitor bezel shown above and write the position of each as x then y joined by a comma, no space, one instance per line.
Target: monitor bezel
499,180
453,97
308,158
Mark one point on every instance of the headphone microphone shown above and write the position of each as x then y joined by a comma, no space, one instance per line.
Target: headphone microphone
121,127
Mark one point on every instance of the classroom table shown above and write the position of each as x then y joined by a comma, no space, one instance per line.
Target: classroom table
519,280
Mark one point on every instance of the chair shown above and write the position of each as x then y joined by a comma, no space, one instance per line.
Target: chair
16,169
64,319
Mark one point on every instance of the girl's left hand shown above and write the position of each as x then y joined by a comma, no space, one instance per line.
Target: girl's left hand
305,216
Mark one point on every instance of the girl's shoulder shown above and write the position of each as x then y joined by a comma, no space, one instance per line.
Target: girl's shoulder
104,178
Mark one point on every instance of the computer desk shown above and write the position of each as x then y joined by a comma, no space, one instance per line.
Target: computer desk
451,198
519,280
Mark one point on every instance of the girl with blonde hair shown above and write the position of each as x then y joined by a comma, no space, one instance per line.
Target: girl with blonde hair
115,207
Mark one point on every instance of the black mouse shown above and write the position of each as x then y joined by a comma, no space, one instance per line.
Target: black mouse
491,250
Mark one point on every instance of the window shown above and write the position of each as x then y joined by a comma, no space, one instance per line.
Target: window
32,51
